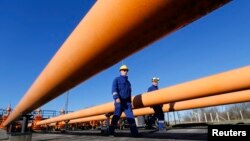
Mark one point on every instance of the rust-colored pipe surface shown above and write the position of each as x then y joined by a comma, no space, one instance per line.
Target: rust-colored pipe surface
111,31
222,99
230,81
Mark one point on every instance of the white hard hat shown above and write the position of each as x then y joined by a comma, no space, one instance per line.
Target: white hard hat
155,79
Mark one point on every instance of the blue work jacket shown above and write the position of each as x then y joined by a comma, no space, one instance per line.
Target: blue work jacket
121,88
152,88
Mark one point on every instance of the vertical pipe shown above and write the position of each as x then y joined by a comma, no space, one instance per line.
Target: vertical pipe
217,117
228,117
174,118
168,118
196,118
205,117
212,120
178,117
24,124
241,115
199,118
10,128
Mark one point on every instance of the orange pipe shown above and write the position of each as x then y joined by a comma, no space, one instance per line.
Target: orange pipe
111,31
37,118
222,99
4,118
52,124
230,81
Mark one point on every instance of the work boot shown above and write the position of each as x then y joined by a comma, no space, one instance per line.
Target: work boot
134,131
111,131
161,125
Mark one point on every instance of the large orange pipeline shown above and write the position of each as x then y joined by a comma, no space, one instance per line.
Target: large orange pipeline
111,31
230,81
222,99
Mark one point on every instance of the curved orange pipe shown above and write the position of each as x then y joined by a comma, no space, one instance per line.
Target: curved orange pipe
230,81
222,99
111,31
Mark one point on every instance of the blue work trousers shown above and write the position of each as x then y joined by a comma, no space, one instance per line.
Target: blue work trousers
125,107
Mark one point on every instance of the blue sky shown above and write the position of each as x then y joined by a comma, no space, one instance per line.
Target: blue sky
32,31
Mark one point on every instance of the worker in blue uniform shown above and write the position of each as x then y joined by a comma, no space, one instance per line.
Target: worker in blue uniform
121,91
159,114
